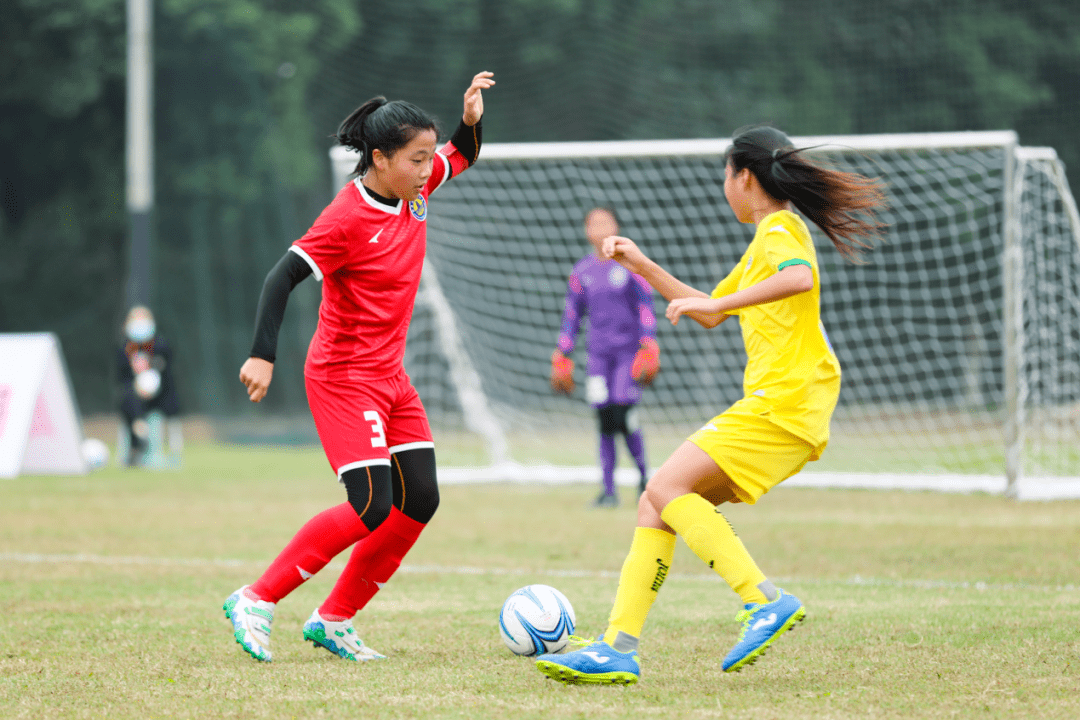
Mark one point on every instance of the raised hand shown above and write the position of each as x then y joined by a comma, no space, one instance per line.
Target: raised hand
474,98
623,251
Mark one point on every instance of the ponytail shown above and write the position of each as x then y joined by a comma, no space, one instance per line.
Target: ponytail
842,204
386,126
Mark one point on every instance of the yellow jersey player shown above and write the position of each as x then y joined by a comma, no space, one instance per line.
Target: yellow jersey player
791,385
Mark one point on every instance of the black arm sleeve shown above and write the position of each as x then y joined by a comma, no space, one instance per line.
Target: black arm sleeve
467,140
280,281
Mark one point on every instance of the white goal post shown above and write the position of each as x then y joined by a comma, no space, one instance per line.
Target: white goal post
960,339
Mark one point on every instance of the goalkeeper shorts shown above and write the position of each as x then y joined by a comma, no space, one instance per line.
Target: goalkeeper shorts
756,454
610,381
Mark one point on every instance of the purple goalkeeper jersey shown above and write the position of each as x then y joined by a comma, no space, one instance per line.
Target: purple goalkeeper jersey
619,305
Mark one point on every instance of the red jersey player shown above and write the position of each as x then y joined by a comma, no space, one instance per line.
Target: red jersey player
367,247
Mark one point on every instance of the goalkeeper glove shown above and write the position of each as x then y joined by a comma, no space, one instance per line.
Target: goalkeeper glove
646,362
562,373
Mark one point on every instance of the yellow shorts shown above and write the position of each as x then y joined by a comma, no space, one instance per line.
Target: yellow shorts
755,453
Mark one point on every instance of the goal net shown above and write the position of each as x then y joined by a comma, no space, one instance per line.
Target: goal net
959,340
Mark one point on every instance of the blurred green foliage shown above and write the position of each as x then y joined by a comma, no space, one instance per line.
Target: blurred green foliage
247,93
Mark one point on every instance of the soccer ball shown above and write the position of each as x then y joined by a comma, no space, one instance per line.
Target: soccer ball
96,453
147,383
536,619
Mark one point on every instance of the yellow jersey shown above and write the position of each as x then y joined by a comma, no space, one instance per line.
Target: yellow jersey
790,363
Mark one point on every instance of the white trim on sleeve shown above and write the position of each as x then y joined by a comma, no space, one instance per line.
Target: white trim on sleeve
446,170
307,258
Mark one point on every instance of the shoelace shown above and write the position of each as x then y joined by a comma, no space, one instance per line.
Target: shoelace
579,642
743,616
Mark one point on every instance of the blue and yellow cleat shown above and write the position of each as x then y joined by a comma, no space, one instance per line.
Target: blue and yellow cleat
596,664
762,623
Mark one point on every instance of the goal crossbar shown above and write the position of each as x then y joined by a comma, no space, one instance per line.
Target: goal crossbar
345,158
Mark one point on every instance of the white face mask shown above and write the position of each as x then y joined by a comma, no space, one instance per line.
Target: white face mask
139,329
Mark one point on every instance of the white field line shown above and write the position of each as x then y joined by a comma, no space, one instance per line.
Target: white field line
116,560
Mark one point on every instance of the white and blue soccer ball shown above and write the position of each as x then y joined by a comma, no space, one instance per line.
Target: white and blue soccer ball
95,453
536,619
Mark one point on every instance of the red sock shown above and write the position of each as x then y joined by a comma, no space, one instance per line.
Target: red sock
372,562
318,541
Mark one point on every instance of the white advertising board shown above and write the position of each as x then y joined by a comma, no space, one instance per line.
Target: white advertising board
40,429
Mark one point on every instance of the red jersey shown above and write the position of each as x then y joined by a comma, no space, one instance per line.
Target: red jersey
368,256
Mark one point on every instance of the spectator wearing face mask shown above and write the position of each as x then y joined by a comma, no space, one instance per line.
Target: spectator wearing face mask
145,374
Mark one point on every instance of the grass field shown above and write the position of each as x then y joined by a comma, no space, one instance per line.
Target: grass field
919,604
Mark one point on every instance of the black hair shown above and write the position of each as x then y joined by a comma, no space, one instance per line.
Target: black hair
382,125
842,204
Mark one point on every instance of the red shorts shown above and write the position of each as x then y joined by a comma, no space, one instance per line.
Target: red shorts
363,423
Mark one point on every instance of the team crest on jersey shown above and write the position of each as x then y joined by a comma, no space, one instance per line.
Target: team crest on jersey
618,276
418,208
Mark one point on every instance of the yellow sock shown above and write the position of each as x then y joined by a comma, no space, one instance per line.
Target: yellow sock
643,573
711,537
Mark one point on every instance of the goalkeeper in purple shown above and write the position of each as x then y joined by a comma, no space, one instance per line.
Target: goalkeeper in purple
623,355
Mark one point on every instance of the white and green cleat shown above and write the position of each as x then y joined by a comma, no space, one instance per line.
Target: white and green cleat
339,638
251,621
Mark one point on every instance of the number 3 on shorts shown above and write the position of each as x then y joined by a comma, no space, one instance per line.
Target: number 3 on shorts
379,439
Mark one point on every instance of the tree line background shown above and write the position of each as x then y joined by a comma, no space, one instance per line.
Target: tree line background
247,93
